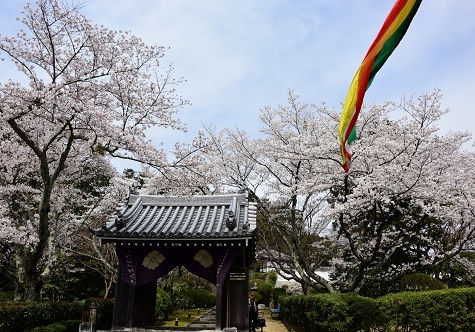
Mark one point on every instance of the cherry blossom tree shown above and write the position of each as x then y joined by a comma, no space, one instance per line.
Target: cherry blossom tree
276,170
86,92
85,247
407,204
190,171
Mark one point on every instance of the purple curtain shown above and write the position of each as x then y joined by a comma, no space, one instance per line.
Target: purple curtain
143,264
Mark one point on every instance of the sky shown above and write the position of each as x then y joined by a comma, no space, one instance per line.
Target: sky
239,56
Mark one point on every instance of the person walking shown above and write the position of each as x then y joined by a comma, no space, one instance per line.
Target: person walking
253,313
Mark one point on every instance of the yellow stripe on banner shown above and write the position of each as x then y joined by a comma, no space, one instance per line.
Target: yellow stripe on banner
349,108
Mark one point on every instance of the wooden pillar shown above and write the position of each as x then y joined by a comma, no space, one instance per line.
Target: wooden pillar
134,306
238,299
122,314
220,307
145,297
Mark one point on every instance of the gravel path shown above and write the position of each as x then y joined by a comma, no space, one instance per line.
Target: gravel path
273,324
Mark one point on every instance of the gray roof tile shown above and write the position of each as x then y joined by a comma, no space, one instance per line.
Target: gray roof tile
195,217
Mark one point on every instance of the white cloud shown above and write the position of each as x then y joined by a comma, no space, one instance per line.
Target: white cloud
239,56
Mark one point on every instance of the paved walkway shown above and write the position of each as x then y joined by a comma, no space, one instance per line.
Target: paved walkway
205,323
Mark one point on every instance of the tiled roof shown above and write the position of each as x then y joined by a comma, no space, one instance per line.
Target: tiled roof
197,217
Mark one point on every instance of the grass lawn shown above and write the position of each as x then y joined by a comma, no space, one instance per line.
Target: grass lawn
182,316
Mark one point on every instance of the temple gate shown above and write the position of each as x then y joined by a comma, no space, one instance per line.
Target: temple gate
211,236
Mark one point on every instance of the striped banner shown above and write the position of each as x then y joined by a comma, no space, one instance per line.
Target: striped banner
388,38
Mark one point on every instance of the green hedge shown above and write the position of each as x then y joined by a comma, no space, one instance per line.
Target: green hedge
23,316
277,293
443,310
331,312
202,298
434,311
66,326
6,295
26,316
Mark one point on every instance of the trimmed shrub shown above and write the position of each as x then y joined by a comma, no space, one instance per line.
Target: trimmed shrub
254,284
328,313
23,316
332,312
163,305
443,310
257,297
429,311
202,298
272,278
277,293
265,290
66,326
6,296
420,282
363,312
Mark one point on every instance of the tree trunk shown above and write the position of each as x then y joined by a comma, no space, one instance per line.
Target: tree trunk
27,285
24,289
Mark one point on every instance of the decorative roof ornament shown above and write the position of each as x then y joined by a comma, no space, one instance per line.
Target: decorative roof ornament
134,189
231,221
119,220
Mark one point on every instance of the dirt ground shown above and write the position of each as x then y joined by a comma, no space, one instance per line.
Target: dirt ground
273,324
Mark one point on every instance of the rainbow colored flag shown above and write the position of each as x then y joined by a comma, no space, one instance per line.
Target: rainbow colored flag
386,41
